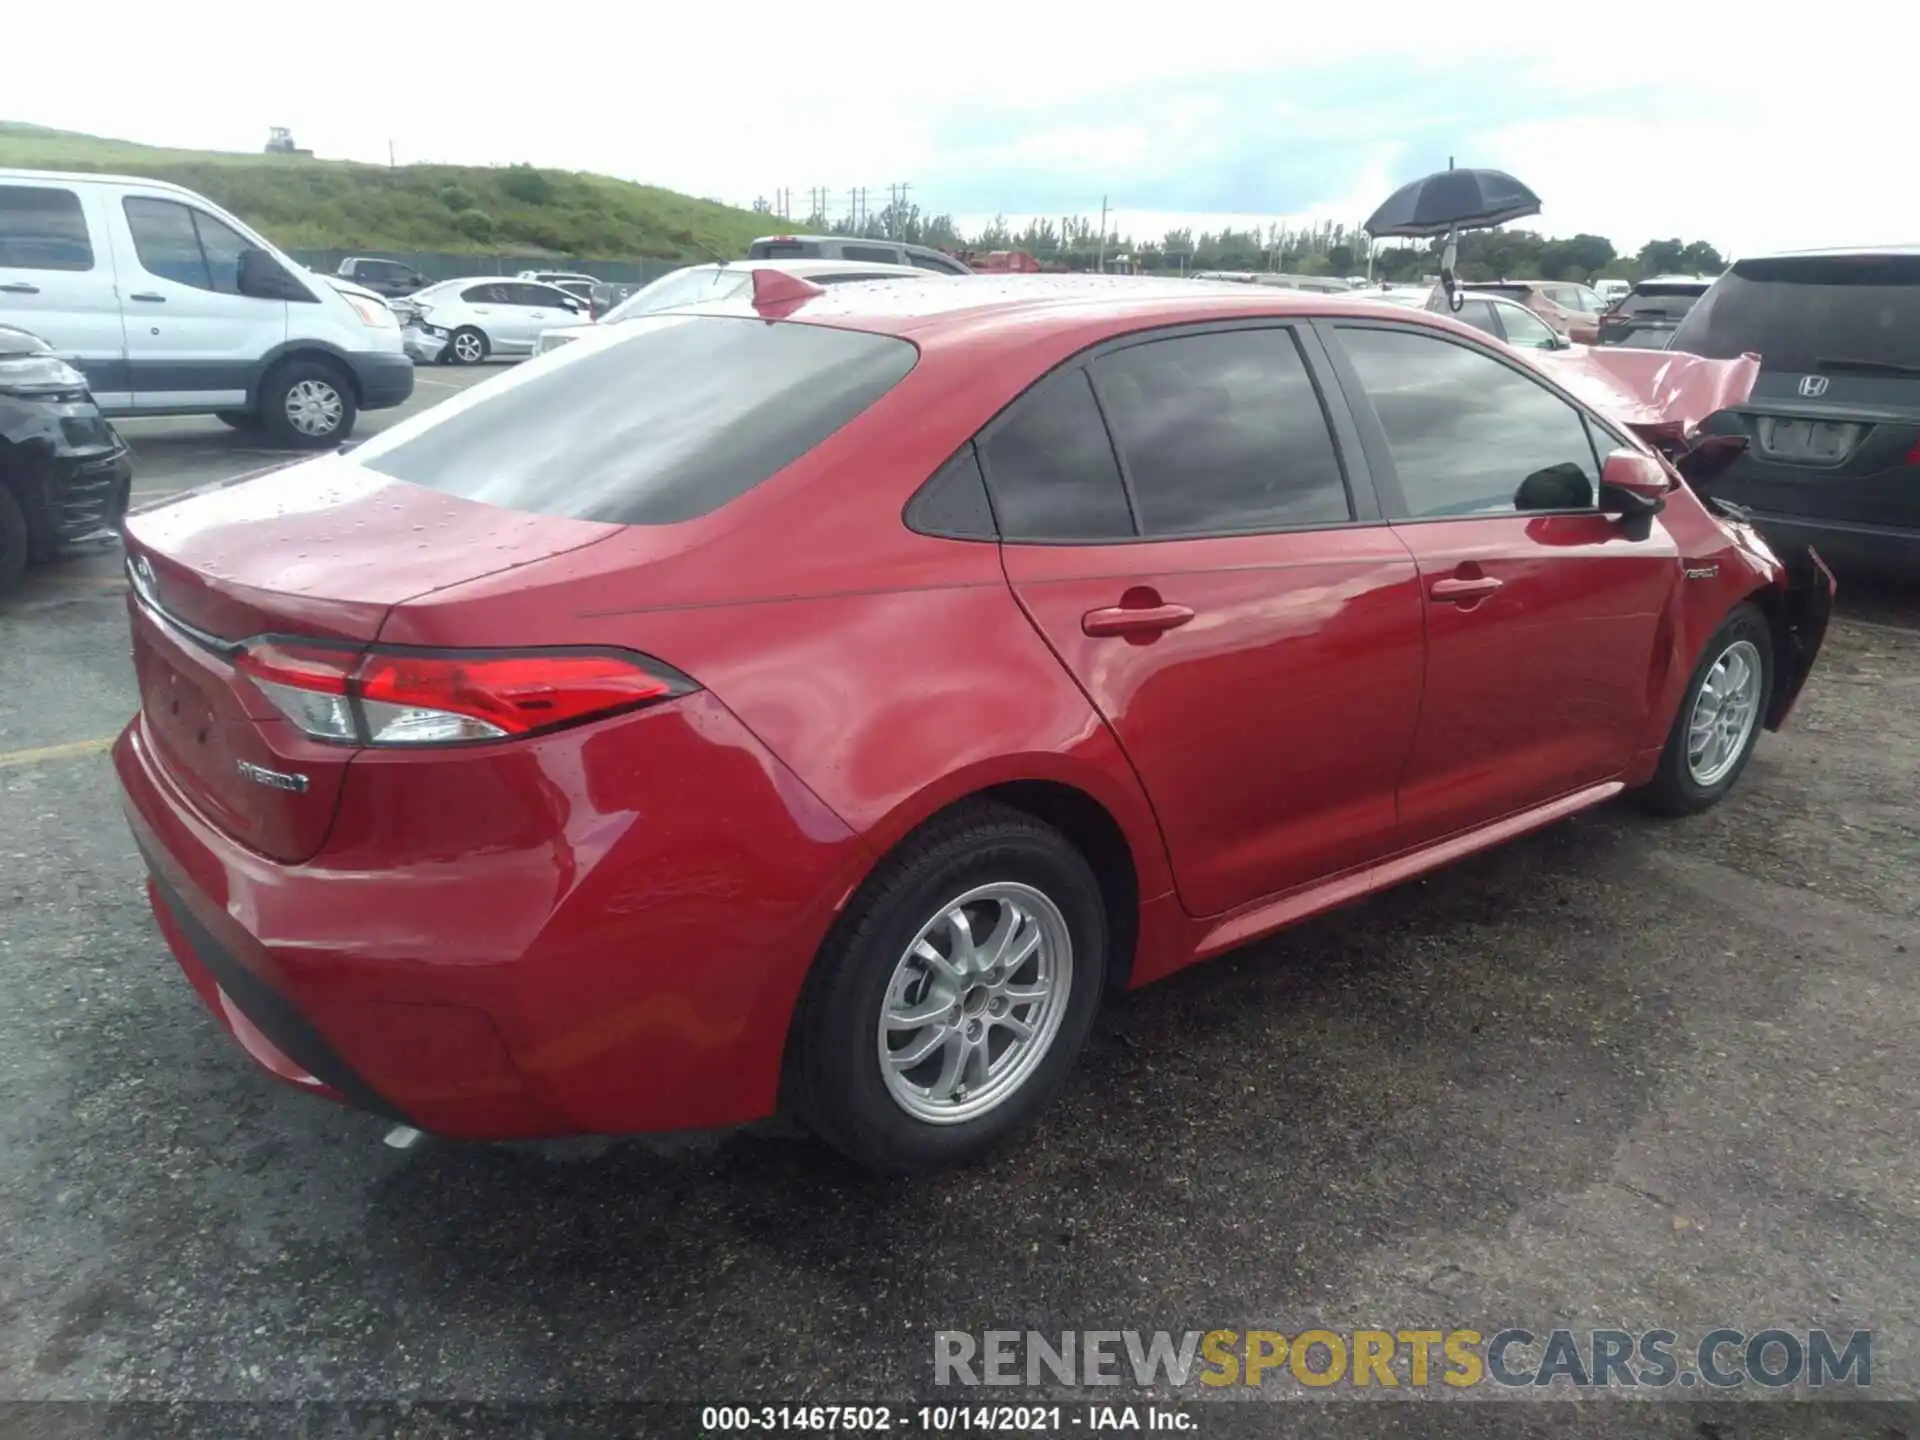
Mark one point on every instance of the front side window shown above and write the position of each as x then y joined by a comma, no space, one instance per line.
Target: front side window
1467,434
43,229
1222,433
1479,314
187,246
673,418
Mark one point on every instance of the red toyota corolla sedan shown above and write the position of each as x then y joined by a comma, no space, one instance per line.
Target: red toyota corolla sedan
815,702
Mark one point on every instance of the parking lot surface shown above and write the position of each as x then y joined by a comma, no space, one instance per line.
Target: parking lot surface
1622,1072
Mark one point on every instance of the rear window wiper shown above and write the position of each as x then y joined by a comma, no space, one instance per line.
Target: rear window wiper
1865,367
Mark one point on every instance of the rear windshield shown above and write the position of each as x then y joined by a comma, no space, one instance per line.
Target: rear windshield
1799,311
692,286
673,417
776,249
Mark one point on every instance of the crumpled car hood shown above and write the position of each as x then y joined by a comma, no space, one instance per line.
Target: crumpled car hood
1660,395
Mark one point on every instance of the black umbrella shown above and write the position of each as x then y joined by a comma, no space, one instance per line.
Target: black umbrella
1453,200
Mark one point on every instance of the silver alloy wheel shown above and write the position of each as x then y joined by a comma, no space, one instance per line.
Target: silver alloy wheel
468,348
314,407
975,1002
1725,710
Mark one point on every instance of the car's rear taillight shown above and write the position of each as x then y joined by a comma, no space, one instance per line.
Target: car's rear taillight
401,697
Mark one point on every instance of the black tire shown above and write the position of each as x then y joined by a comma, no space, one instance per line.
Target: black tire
15,542
1675,788
278,425
452,353
835,1082
239,420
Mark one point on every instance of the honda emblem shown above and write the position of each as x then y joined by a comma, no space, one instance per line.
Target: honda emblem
1813,385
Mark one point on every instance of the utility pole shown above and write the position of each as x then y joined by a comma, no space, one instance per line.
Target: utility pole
1103,235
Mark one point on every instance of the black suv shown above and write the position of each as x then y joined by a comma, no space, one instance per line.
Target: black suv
64,471
383,277
1832,428
1648,314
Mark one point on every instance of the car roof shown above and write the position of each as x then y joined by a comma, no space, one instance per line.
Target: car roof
973,306
1836,250
87,177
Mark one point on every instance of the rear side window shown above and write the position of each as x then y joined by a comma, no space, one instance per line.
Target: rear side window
1469,435
1804,313
1222,433
485,295
675,417
1050,466
43,229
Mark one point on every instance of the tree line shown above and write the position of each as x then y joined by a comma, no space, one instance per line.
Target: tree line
1074,242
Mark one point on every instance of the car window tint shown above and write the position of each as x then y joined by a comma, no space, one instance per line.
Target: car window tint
166,242
1467,432
674,417
782,249
42,228
870,254
1526,329
1050,466
222,246
934,263
1222,432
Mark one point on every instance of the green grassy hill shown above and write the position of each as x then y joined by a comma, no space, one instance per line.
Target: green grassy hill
305,203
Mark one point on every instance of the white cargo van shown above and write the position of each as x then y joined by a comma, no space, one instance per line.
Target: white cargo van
173,307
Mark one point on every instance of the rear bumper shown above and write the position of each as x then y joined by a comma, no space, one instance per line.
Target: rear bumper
385,378
541,960
1852,549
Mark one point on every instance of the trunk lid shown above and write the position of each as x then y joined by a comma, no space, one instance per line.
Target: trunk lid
322,550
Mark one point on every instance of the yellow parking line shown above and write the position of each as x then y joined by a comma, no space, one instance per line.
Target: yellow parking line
68,751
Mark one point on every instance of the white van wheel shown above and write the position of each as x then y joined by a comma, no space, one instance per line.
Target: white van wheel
307,405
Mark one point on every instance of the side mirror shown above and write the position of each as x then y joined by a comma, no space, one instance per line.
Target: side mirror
1633,485
262,278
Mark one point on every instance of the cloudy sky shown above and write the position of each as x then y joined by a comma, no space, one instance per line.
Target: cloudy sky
1781,127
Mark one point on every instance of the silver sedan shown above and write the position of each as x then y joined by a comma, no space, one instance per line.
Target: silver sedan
464,322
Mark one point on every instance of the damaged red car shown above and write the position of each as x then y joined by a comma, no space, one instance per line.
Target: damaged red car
815,703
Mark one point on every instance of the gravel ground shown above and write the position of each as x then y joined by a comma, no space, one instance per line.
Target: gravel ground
1622,1072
